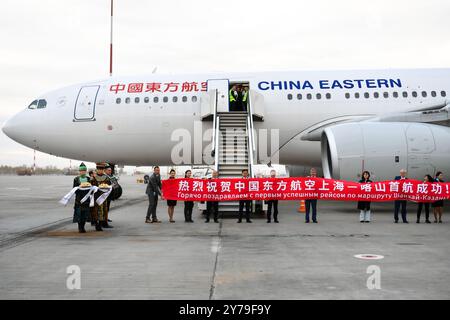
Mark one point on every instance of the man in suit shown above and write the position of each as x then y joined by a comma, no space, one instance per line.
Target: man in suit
272,203
246,203
153,191
213,206
400,203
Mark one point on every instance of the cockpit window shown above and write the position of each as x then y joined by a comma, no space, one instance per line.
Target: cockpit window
42,104
38,104
33,105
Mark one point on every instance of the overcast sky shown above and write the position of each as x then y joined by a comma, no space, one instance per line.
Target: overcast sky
48,44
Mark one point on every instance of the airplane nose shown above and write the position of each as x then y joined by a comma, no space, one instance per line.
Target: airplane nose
13,129
7,129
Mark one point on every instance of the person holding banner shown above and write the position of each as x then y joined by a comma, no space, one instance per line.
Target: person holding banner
438,205
364,206
246,203
272,203
212,206
188,205
171,203
400,203
82,211
311,204
425,205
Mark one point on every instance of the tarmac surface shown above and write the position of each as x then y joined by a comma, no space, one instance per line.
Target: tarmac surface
289,260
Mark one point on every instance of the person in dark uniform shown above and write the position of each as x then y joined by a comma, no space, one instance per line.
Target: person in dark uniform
272,203
246,203
109,172
188,205
212,206
400,203
153,190
311,204
364,206
171,203
438,205
233,96
82,210
425,205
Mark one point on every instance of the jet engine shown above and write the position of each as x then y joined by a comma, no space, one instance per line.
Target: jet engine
383,148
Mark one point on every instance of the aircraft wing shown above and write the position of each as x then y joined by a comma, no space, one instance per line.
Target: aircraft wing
435,114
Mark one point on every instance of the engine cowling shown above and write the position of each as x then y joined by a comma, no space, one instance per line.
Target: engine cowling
383,149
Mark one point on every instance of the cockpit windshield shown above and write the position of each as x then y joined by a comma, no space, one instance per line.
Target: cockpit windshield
38,104
33,105
42,104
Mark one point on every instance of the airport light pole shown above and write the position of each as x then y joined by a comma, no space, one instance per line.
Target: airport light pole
111,41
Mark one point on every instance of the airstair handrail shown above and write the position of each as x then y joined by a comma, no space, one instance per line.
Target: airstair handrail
213,148
216,146
251,137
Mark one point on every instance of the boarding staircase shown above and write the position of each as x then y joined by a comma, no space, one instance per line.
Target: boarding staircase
233,146
233,150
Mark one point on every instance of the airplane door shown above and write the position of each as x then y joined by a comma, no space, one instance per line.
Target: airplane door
85,104
222,86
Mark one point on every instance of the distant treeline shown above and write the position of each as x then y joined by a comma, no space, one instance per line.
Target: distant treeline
24,170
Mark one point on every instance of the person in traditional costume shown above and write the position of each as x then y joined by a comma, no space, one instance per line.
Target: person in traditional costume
100,212
81,209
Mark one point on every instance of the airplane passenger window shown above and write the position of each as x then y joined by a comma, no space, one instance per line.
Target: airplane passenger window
184,99
299,96
414,94
405,94
376,95
318,96
289,96
433,94
127,100
366,95
386,94
395,94
155,99
42,104
136,100
118,101
309,96
328,95
33,105
347,95
194,98
146,99
443,93
357,95
175,99
165,99
424,94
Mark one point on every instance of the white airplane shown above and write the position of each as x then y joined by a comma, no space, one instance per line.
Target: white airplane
343,121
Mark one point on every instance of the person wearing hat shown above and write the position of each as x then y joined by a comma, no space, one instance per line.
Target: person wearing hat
81,211
115,185
100,212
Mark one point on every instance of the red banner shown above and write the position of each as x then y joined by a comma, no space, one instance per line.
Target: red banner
233,189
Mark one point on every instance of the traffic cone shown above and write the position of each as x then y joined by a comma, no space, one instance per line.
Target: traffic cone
302,207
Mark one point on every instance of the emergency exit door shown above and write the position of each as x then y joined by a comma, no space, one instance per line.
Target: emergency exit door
85,103
222,87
